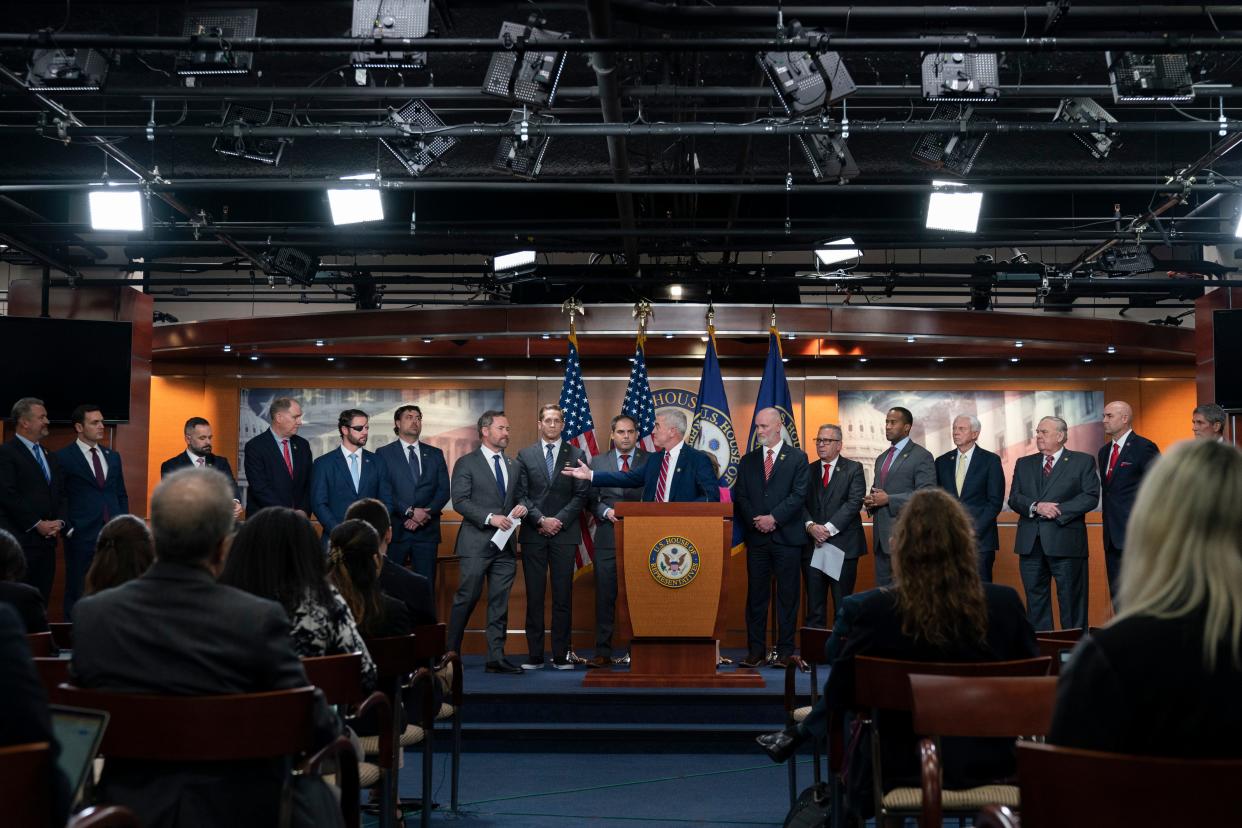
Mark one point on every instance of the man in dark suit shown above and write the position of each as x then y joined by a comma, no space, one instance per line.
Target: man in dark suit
32,494
278,462
899,472
338,478
768,498
175,631
197,454
484,490
834,499
95,491
408,587
974,476
675,474
1052,492
625,455
550,534
418,478
1123,462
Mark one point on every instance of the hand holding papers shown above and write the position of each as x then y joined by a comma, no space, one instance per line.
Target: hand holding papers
828,559
501,537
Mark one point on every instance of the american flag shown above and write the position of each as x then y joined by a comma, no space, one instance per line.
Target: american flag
639,404
579,431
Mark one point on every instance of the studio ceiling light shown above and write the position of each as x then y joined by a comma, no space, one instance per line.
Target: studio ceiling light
525,74
1087,111
263,150
840,250
116,210
214,29
421,149
949,208
961,76
514,264
829,157
356,205
60,70
522,152
806,82
1139,78
390,19
948,151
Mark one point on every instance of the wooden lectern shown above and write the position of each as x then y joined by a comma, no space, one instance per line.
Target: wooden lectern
672,567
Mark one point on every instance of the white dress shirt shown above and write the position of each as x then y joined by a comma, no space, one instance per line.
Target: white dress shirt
85,448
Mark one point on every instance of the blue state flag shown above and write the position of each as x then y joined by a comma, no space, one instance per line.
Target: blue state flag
712,429
774,393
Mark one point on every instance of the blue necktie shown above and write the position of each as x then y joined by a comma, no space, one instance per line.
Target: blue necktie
353,469
38,453
500,477
416,470
549,462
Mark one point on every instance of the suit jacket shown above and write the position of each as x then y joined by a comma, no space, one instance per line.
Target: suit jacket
411,589
175,631
838,504
1073,485
431,493
603,498
911,470
562,497
220,464
86,500
982,494
693,479
332,486
1133,462
27,602
782,496
26,496
267,478
475,496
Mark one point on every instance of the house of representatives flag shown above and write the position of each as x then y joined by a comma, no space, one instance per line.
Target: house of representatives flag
774,393
579,431
712,429
639,404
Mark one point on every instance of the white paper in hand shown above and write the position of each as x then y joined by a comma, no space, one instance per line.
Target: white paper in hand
502,535
828,559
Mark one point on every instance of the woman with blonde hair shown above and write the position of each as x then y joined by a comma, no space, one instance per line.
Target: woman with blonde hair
1164,676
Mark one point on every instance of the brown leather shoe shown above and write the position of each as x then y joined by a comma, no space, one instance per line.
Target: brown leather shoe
598,661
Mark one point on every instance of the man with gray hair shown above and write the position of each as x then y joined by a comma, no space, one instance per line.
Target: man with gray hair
1052,492
974,476
676,474
175,631
1207,421
278,462
33,507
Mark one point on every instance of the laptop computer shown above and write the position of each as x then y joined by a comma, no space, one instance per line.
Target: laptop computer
79,732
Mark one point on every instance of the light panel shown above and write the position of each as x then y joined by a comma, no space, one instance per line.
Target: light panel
512,261
116,210
838,253
356,206
953,210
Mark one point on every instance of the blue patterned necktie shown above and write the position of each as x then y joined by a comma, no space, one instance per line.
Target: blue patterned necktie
549,461
353,469
416,470
500,477
38,453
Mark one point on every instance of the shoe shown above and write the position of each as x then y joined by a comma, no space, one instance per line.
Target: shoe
502,666
780,662
598,661
532,664
780,745
561,664
752,660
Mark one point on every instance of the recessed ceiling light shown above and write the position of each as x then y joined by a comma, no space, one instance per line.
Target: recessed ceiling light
426,340
668,336
1013,359
703,338
784,359
558,359
939,359
791,336
228,348
862,359
1112,349
331,359
910,339
1018,344
545,336
478,359
254,357
405,359
318,343
1087,359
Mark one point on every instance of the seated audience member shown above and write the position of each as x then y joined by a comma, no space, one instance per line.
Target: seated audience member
937,610
1164,676
175,631
23,707
25,600
354,562
276,555
123,552
410,588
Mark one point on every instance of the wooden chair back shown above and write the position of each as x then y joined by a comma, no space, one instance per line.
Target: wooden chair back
1053,647
430,641
1063,786
53,672
884,683
41,644
62,634
1072,634
813,640
338,676
26,784
395,656
982,706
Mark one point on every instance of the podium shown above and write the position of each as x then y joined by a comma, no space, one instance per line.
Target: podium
672,568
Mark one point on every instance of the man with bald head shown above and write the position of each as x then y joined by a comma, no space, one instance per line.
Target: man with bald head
1124,460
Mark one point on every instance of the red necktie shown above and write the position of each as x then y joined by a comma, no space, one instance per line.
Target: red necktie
887,465
767,466
1048,466
827,473
284,447
660,486
625,462
1112,461
99,477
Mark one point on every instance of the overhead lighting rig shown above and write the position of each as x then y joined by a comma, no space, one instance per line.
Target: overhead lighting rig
263,150
829,157
296,266
803,81
1126,260
951,152
522,153
63,70
214,55
390,19
961,76
526,73
420,150
1087,111
1142,78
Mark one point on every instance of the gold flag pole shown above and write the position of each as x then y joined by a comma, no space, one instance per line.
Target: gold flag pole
574,308
644,314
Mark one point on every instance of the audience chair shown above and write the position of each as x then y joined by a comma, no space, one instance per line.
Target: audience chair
811,656
111,816
987,707
339,677
26,784
1052,648
41,644
1071,635
227,728
884,684
53,672
62,634
1064,786
397,660
446,668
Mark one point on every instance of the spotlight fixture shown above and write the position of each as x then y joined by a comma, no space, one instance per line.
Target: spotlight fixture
1019,344
939,359
356,205
254,357
1237,230
1088,359
60,70
521,73
1014,359
405,359
961,76
675,291
263,150
390,19
862,359
829,157
806,82
366,293
981,296
951,152
228,349
950,209
296,266
421,149
522,153
838,251
1086,111
1112,349
910,340
518,263
1138,78
212,54
158,316
116,210
1126,259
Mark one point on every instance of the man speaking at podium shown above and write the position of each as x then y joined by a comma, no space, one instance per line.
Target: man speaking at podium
675,474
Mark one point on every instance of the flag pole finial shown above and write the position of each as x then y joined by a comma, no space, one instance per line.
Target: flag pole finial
711,316
572,307
643,313
772,321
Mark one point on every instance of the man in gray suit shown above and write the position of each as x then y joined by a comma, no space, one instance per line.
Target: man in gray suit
1052,492
550,535
899,472
834,502
625,456
484,488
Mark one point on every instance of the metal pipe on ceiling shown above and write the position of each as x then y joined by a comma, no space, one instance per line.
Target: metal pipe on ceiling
599,19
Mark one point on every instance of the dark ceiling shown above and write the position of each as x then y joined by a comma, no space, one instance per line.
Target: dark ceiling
666,200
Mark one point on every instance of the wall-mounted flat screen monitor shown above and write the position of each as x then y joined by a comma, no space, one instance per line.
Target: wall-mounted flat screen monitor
66,362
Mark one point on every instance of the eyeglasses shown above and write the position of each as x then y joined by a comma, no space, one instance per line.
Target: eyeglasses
360,428
819,441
